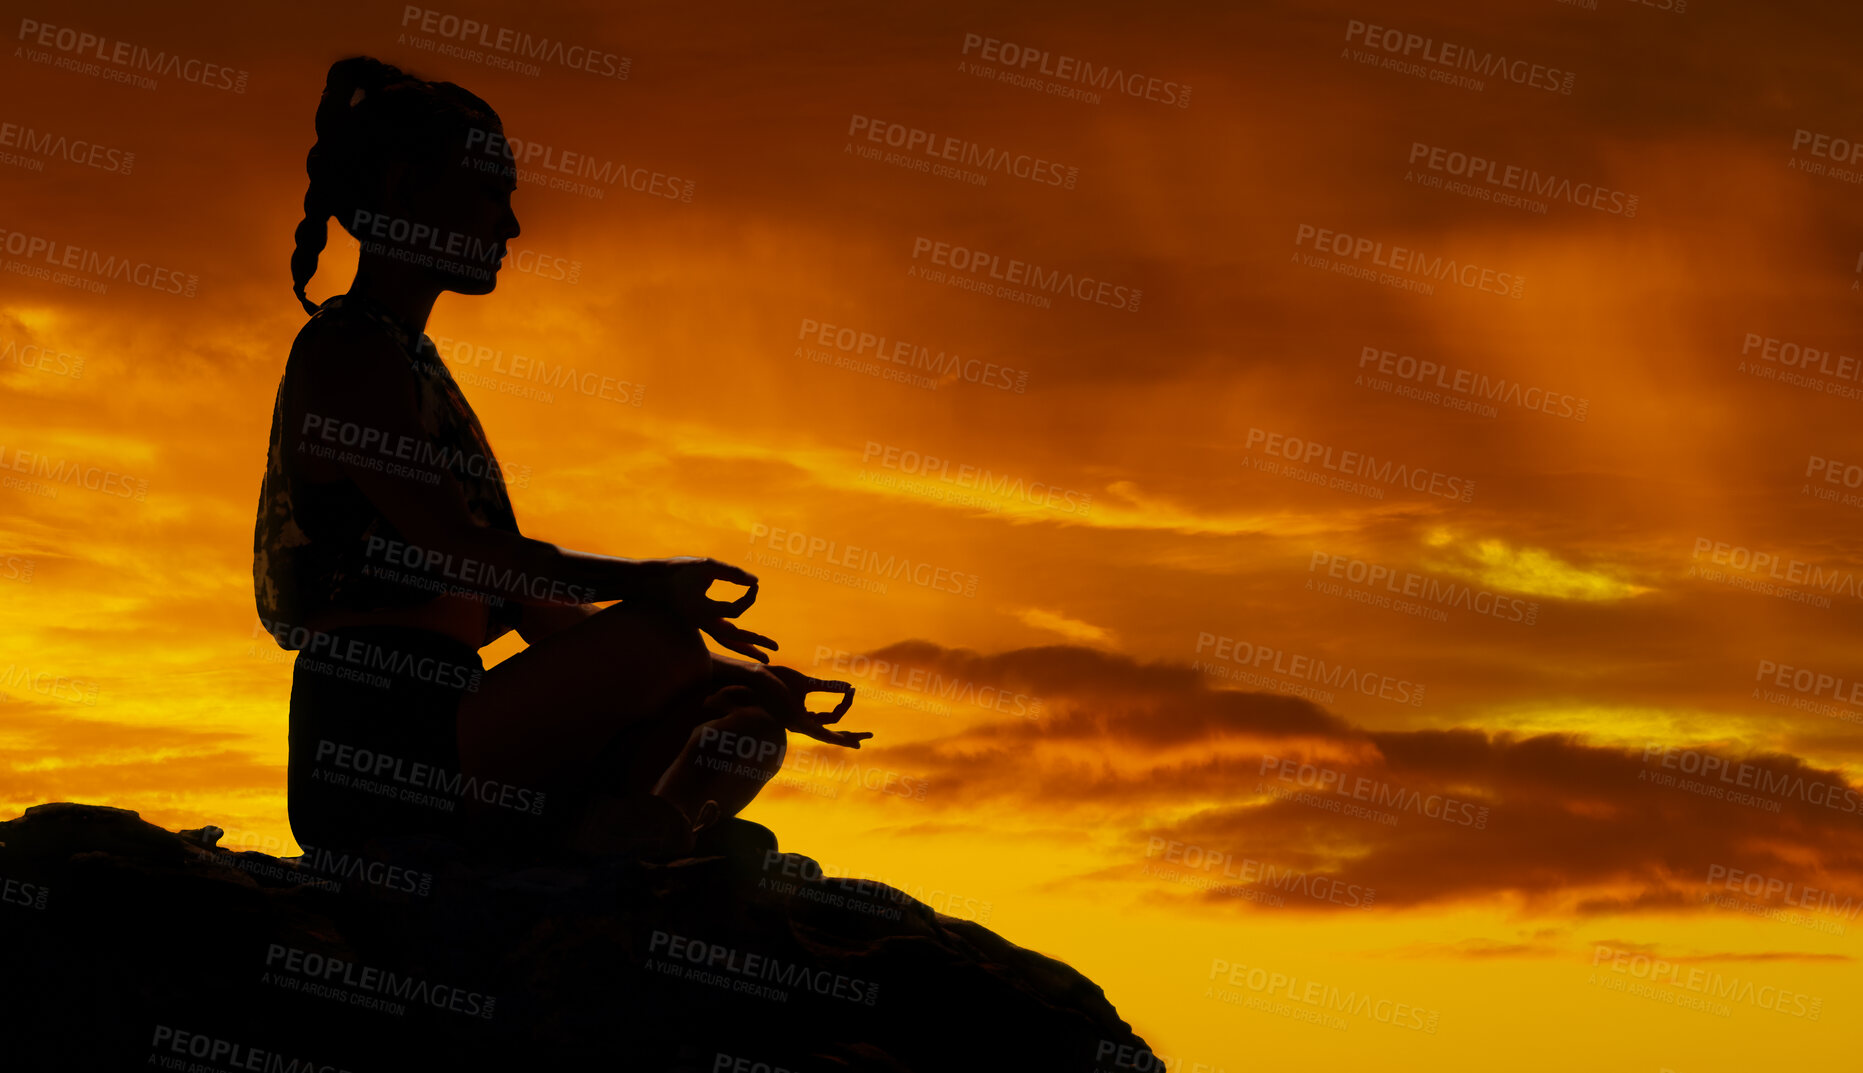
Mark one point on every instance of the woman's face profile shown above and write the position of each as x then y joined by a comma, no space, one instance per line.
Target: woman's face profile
459,220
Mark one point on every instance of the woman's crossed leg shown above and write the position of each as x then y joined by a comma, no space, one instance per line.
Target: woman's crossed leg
624,703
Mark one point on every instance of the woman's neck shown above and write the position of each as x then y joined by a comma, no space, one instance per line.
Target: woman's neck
409,300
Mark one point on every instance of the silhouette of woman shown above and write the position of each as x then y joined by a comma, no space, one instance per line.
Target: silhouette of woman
386,552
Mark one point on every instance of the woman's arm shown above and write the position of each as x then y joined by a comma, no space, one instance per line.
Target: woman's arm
538,621
354,414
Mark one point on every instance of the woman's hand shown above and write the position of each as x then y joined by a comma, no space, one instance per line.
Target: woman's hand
797,717
681,585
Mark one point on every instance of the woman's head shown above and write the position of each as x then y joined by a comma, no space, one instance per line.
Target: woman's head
418,172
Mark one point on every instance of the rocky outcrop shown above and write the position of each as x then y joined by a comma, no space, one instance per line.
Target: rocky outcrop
133,947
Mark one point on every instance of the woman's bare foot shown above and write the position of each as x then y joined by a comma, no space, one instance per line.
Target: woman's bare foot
726,760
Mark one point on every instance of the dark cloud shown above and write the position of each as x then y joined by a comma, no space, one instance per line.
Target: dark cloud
1547,823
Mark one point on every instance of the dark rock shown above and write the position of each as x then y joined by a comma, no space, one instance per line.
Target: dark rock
132,947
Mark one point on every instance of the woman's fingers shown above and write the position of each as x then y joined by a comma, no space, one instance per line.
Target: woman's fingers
847,698
846,738
745,649
735,574
823,685
725,608
739,633
801,685
734,608
743,642
694,579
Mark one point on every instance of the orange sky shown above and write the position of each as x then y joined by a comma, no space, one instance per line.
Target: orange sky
1162,519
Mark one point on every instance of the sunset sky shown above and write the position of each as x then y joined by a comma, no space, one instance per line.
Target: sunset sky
1442,594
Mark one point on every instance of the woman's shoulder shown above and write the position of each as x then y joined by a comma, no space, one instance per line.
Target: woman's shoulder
341,354
337,331
348,323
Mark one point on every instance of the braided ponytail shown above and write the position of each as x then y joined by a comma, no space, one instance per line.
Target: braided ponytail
371,115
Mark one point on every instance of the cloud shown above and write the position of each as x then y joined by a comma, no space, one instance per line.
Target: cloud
1534,571
1544,824
1071,628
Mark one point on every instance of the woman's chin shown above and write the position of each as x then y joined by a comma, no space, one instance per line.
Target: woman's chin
463,285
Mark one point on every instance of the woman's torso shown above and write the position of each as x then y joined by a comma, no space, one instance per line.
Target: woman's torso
313,570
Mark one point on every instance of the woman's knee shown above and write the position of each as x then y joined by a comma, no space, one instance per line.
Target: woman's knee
677,646
747,736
